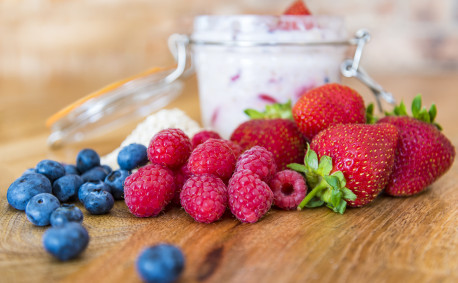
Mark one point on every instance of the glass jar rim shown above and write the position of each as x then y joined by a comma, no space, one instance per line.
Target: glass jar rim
268,30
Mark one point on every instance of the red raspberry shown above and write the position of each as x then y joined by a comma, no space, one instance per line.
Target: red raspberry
236,148
181,176
212,157
149,190
289,189
204,197
249,197
260,161
170,147
202,136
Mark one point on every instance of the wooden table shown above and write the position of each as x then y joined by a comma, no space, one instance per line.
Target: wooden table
391,240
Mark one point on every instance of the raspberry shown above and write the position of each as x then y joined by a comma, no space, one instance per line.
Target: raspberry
181,176
169,147
258,160
204,198
202,136
289,189
212,157
249,197
149,190
236,148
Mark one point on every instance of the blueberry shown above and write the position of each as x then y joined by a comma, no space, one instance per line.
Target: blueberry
87,159
98,202
94,174
28,171
107,168
160,263
71,169
90,187
51,169
132,156
116,182
66,187
40,207
67,241
25,187
66,213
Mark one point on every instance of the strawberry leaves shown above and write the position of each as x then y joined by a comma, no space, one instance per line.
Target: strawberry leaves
418,112
272,111
328,188
370,118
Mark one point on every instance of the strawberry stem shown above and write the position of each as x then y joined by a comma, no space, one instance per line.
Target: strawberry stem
321,186
328,188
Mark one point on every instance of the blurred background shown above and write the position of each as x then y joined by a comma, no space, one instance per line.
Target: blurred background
40,39
53,52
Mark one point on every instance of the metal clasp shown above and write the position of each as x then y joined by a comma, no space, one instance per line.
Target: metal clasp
351,68
178,46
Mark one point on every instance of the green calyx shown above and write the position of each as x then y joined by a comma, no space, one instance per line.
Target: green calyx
370,118
418,112
272,111
326,188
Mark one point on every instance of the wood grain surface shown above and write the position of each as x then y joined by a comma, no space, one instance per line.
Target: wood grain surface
391,240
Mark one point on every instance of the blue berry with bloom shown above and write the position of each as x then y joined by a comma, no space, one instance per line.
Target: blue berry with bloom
70,169
98,202
66,213
40,208
88,187
97,173
25,187
87,159
116,181
107,168
67,241
132,156
51,169
66,187
162,263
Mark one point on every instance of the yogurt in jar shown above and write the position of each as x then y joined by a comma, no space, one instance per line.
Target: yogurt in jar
248,61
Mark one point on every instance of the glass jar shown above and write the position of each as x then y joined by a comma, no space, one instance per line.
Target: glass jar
248,61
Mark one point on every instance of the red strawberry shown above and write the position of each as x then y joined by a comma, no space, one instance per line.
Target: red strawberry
328,105
297,8
356,161
423,153
279,136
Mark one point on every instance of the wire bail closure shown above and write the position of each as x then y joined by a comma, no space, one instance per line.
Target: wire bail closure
351,68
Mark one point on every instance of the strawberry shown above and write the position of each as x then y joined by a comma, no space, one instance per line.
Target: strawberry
280,136
355,162
423,152
327,105
297,8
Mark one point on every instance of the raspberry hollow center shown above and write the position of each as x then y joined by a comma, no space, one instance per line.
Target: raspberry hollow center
287,189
